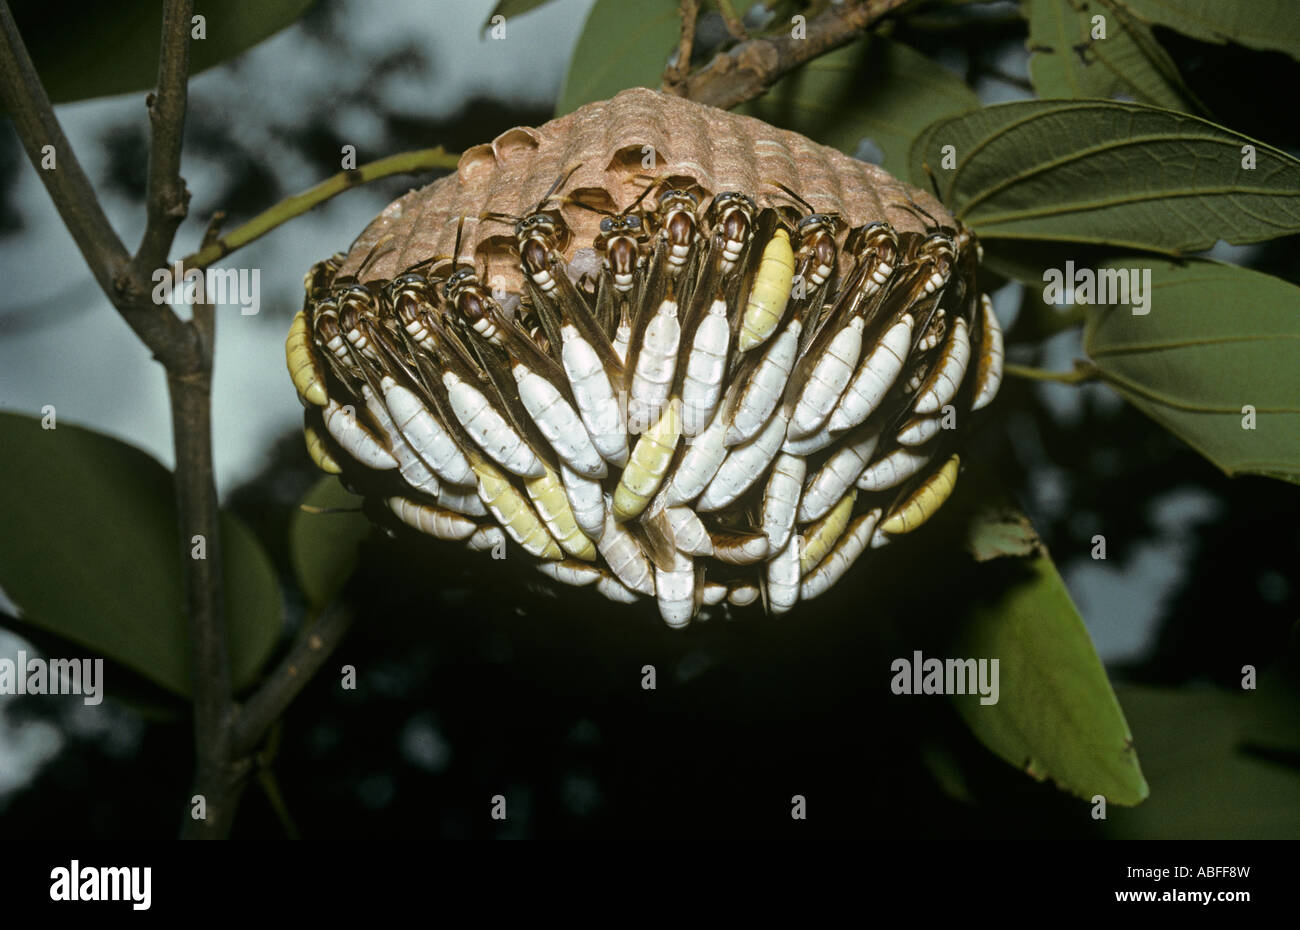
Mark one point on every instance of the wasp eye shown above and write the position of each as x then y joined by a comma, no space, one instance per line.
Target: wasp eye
633,222
606,225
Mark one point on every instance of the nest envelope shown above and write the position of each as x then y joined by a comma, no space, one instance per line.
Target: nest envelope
664,350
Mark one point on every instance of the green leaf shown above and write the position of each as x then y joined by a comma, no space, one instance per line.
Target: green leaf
1203,785
876,89
323,546
1261,24
1118,174
86,48
90,553
1056,716
1066,61
1216,339
512,8
622,45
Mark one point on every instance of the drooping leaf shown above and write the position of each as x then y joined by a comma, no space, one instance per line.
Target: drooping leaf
1262,24
1215,340
1124,175
622,45
1126,61
1056,716
1203,785
84,48
90,554
876,89
323,546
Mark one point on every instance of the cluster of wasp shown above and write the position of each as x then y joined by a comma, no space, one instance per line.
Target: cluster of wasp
716,402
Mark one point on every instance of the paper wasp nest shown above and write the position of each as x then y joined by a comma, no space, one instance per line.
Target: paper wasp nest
662,349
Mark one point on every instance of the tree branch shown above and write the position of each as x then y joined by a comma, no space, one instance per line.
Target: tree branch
680,67
167,199
748,69
196,506
1083,371
289,678
28,106
403,163
170,340
225,736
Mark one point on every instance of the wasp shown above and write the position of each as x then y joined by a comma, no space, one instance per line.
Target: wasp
623,241
816,252
731,217
676,218
541,235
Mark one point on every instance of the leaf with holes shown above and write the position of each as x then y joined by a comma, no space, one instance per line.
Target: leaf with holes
1069,58
1100,172
876,90
1217,339
90,553
622,45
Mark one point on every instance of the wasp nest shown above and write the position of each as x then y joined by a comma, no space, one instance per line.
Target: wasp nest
663,349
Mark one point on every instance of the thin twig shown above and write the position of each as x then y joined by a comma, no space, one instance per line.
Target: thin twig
747,70
290,677
733,22
680,66
275,797
166,198
403,163
1082,371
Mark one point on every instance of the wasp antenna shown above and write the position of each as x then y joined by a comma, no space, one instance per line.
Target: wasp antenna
588,207
916,210
934,181
633,205
795,197
375,253
460,229
559,182
432,259
495,217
